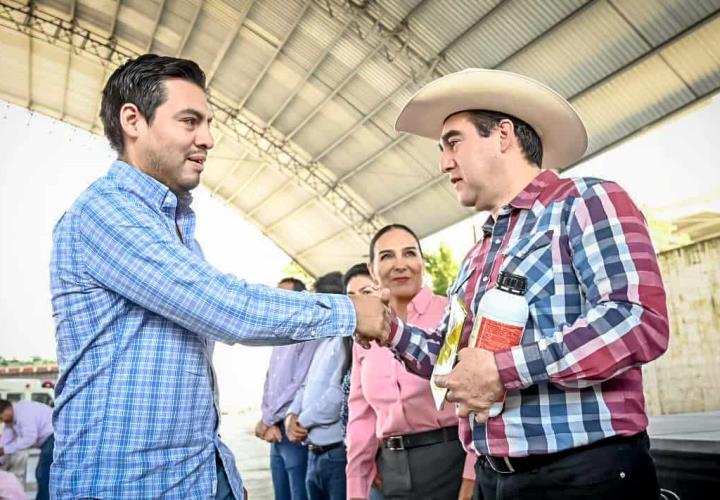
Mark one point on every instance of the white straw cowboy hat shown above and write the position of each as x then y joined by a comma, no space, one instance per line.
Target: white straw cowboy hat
559,126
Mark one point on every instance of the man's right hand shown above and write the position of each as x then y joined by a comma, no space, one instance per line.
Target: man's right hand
373,318
260,429
295,432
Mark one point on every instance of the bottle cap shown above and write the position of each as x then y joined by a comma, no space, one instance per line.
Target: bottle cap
512,283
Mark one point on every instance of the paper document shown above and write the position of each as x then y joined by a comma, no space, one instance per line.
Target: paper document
448,351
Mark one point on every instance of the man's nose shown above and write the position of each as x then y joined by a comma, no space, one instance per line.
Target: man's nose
204,138
446,162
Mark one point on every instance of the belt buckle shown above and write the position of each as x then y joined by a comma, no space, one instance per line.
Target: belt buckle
494,464
391,443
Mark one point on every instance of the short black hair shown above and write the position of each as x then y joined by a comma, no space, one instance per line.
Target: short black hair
297,285
4,404
360,269
486,121
330,283
140,82
387,228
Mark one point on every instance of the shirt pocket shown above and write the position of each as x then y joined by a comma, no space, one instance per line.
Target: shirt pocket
458,285
532,257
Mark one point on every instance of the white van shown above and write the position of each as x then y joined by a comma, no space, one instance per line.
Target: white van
15,389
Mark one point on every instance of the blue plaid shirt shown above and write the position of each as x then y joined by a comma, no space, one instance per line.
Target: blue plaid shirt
138,310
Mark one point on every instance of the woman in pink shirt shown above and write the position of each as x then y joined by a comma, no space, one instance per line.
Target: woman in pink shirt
397,440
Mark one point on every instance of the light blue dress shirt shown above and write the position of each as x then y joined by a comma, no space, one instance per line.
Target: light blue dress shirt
319,401
137,310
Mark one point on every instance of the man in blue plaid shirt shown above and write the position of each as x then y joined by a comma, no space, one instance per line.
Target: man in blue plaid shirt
138,309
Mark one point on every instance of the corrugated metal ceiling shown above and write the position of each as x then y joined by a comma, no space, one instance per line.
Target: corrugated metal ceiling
306,91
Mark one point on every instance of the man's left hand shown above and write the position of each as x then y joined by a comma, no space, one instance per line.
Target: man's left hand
273,434
474,383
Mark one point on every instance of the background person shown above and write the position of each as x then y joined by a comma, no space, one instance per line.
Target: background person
392,412
28,424
288,367
315,413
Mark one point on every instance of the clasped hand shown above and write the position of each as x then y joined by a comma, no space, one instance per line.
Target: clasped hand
373,318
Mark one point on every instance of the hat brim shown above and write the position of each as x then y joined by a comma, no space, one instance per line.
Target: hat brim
561,130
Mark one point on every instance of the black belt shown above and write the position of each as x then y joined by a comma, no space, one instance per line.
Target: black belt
509,465
396,443
319,450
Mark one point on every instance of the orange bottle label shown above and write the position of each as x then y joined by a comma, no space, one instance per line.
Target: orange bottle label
496,336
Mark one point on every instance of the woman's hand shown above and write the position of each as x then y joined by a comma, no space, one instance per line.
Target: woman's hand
467,488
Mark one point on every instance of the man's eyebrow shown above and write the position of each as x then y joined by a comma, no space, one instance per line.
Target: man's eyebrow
447,136
192,111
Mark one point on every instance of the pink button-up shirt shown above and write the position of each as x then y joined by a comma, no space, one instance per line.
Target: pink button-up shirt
387,400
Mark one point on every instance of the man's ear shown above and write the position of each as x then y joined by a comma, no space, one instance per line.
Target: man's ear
506,130
131,120
372,275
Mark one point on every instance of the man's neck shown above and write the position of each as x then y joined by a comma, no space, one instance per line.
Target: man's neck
519,178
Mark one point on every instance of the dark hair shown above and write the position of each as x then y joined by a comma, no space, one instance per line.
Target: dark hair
330,283
297,285
486,121
356,270
4,404
385,230
141,82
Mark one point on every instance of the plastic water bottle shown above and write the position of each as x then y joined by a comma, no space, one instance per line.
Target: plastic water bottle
500,319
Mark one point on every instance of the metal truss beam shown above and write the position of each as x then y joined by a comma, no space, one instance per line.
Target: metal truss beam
412,79
156,23
378,107
403,137
312,69
246,183
229,40
311,177
337,89
68,62
230,172
113,22
190,28
275,54
384,41
268,147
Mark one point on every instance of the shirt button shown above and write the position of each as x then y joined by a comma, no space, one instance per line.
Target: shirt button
484,278
498,241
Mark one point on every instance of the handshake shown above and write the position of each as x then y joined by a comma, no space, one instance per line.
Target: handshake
373,317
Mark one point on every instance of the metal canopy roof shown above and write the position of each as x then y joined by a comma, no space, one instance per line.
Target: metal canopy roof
306,91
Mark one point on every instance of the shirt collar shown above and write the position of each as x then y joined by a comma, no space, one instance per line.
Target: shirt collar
421,301
527,197
146,187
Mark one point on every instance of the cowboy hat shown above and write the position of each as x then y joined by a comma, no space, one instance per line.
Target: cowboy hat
559,126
